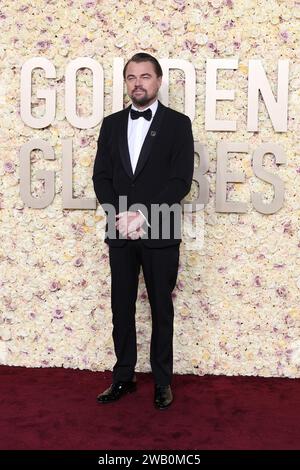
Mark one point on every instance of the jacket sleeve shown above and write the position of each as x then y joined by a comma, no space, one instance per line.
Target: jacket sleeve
103,171
181,171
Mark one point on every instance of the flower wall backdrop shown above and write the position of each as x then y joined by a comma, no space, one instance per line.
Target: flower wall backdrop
237,302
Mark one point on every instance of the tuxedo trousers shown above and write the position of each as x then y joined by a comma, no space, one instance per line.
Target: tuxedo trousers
160,268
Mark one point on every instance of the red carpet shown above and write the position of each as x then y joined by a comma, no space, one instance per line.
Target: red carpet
56,409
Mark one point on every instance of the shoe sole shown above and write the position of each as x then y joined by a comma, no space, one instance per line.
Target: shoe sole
163,407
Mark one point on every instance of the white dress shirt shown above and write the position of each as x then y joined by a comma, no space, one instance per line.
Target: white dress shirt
136,132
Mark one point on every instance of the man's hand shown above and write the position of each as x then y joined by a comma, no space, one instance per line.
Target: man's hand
130,224
136,234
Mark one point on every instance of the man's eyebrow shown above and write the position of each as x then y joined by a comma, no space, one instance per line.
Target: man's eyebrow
146,73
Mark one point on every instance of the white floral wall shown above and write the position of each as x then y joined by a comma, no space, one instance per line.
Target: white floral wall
237,300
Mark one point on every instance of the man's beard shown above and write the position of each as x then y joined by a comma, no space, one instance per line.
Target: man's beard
142,100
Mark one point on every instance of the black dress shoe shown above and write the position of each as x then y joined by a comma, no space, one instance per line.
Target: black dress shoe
163,396
116,391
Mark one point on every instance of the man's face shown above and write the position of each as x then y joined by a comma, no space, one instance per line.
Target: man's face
142,83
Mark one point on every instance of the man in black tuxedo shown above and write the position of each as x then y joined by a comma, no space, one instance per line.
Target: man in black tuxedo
145,155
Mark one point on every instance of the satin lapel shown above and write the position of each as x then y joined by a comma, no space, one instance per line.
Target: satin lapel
150,139
123,142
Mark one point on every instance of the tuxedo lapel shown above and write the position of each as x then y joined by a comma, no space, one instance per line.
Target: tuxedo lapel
150,139
123,142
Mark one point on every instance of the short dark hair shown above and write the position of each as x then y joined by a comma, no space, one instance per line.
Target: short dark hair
144,57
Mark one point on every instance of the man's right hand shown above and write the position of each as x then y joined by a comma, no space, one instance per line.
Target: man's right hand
135,234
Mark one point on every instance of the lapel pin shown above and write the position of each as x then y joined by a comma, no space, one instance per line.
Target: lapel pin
153,133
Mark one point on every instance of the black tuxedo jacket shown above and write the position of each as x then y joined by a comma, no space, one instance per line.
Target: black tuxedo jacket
163,173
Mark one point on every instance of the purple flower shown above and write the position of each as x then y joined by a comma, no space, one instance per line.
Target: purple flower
78,229
222,270
66,40
163,25
181,4
24,8
284,35
278,266
288,320
54,286
78,262
84,141
101,17
288,228
85,360
257,281
190,45
9,167
143,295
58,314
59,236
212,46
229,24
204,306
281,292
43,45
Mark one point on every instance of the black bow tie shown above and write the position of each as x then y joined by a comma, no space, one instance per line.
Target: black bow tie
145,114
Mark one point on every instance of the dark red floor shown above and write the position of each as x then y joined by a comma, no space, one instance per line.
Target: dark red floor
56,408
